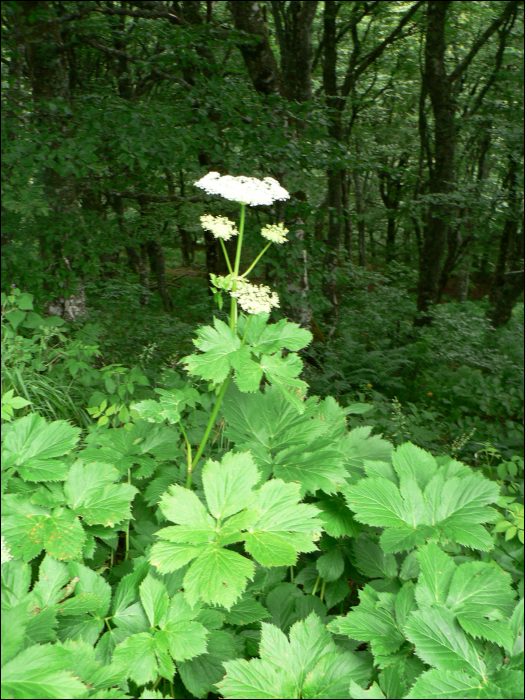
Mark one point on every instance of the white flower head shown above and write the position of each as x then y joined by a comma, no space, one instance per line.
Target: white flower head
220,226
247,190
275,233
6,552
255,299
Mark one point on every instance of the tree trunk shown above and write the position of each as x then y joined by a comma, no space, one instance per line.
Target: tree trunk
158,267
437,85
347,223
360,210
507,281
463,280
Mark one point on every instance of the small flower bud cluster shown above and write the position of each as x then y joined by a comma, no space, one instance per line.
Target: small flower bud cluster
275,233
220,226
6,552
255,299
246,190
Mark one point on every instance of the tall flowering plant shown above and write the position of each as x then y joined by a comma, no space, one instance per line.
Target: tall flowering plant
247,349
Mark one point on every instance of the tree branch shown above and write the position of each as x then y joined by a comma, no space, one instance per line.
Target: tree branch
510,10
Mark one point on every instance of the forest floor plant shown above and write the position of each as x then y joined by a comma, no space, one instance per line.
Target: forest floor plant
242,542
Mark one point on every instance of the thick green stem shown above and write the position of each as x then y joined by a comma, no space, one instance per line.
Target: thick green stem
254,263
233,315
316,585
211,422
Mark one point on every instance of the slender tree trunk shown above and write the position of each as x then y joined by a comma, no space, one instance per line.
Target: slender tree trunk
437,85
360,210
463,279
390,237
158,267
347,224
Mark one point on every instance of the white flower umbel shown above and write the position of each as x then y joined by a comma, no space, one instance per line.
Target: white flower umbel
275,233
6,552
255,299
220,226
246,190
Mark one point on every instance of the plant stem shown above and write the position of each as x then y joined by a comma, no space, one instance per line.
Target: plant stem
316,584
323,589
254,263
188,456
226,256
127,526
211,422
233,317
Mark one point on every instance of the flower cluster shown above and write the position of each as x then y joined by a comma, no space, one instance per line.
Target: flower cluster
255,299
220,226
275,233
247,190
6,552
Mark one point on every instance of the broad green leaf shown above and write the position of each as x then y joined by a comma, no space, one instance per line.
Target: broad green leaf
331,565
371,561
255,679
136,656
359,446
128,588
63,534
24,534
52,576
437,571
32,436
445,684
371,622
218,577
317,468
91,583
14,623
441,642
283,527
332,675
376,502
219,345
41,671
481,588
184,637
411,461
170,556
201,673
281,334
245,612
337,519
405,603
182,506
154,598
228,484
373,693
92,493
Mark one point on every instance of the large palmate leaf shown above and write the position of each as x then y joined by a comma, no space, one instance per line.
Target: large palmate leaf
173,634
424,502
219,345
479,594
307,665
270,520
32,446
92,493
374,621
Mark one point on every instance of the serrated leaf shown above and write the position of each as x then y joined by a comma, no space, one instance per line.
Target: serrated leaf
64,536
371,561
218,577
331,565
14,622
332,675
315,468
371,622
154,598
413,462
373,693
376,502
219,345
245,612
282,527
444,684
255,679
278,335
136,656
41,671
336,517
91,583
201,673
228,484
52,576
33,437
437,571
441,642
92,493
